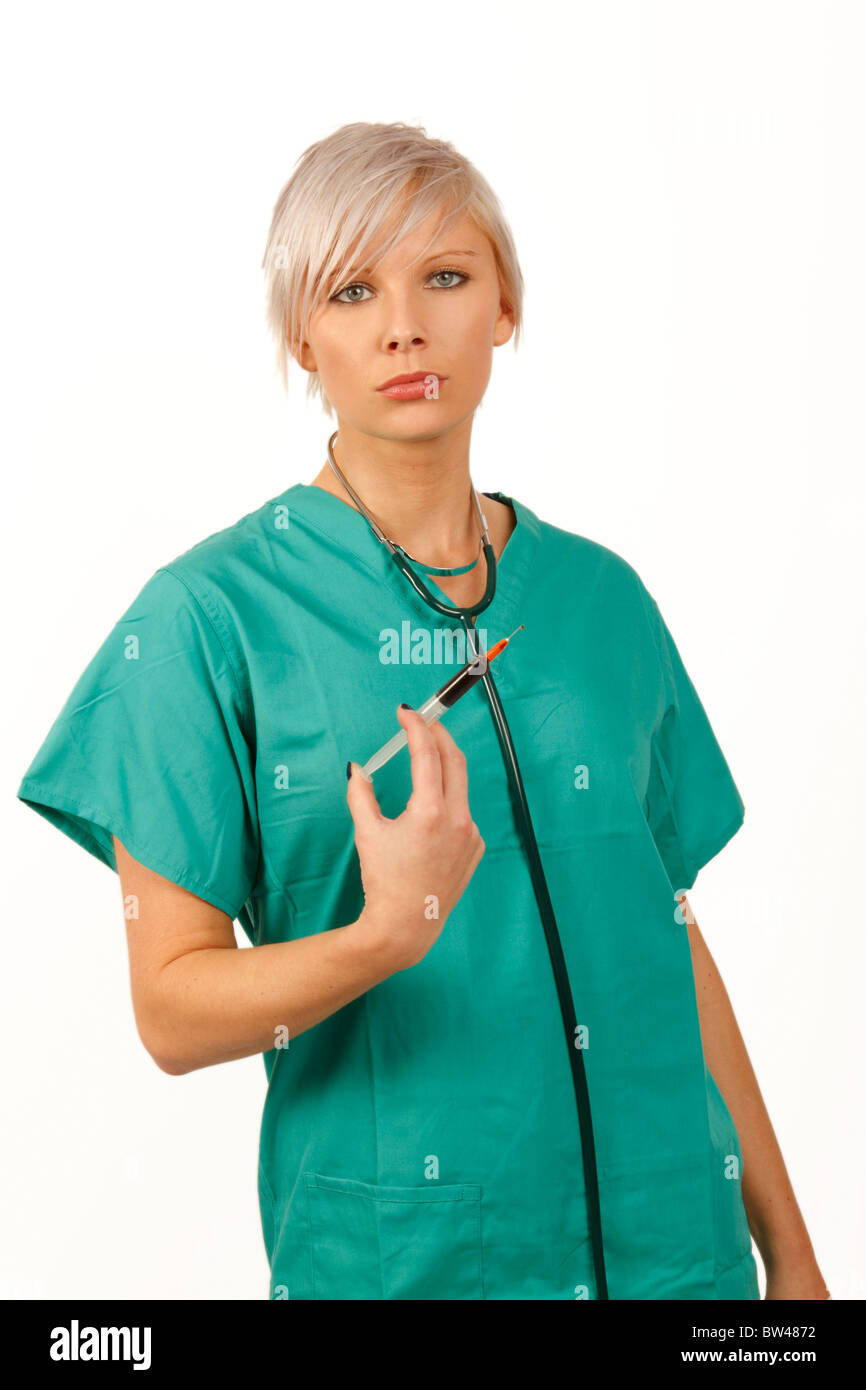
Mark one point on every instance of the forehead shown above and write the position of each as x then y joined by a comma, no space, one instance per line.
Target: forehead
426,242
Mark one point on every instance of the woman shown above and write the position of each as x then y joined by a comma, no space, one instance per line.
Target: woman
424,1133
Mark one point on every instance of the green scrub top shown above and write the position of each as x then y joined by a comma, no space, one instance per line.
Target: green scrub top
423,1142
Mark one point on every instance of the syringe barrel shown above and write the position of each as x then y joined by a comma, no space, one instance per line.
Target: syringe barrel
430,711
463,680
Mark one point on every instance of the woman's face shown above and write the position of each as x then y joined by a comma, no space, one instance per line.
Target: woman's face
442,317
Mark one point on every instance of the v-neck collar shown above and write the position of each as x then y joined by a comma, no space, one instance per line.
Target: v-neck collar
349,530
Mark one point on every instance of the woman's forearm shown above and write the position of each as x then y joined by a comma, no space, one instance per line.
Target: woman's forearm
774,1217
216,1005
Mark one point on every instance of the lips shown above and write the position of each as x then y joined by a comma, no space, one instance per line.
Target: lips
409,377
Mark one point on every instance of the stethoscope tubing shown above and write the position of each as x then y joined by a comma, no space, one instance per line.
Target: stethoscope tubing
560,975
445,609
467,617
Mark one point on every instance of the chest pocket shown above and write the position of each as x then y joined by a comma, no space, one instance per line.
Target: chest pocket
371,1242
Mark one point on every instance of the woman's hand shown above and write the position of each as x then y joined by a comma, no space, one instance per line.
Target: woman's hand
416,867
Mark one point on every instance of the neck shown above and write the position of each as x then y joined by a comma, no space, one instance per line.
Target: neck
418,491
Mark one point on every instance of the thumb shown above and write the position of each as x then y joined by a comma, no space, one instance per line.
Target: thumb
360,796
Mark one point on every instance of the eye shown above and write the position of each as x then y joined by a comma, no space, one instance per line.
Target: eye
434,275
338,299
461,274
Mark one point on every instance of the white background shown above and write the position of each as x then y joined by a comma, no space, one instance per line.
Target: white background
685,186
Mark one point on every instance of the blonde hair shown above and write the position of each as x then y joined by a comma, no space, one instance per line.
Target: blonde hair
344,191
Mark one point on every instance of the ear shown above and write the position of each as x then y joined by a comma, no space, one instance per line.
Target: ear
304,357
504,327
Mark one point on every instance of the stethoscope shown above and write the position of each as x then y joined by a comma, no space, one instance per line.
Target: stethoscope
467,617
402,558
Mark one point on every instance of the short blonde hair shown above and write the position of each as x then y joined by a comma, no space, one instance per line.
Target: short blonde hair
343,193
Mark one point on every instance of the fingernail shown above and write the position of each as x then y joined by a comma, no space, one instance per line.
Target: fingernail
405,706
348,771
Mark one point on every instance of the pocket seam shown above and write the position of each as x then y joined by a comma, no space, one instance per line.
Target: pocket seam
353,1187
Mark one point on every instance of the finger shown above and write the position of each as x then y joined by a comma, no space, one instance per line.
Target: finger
455,784
362,801
425,762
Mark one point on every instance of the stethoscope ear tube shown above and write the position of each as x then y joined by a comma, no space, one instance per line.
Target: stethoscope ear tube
398,554
448,610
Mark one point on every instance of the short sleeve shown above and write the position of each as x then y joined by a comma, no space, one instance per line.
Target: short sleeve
693,804
152,746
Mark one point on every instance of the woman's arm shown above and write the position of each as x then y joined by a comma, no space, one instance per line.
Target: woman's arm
199,1000
774,1217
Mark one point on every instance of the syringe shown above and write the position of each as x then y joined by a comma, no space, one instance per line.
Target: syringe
443,699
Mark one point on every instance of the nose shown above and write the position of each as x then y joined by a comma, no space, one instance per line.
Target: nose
401,324
404,342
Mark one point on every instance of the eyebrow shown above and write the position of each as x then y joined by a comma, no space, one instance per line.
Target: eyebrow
437,254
